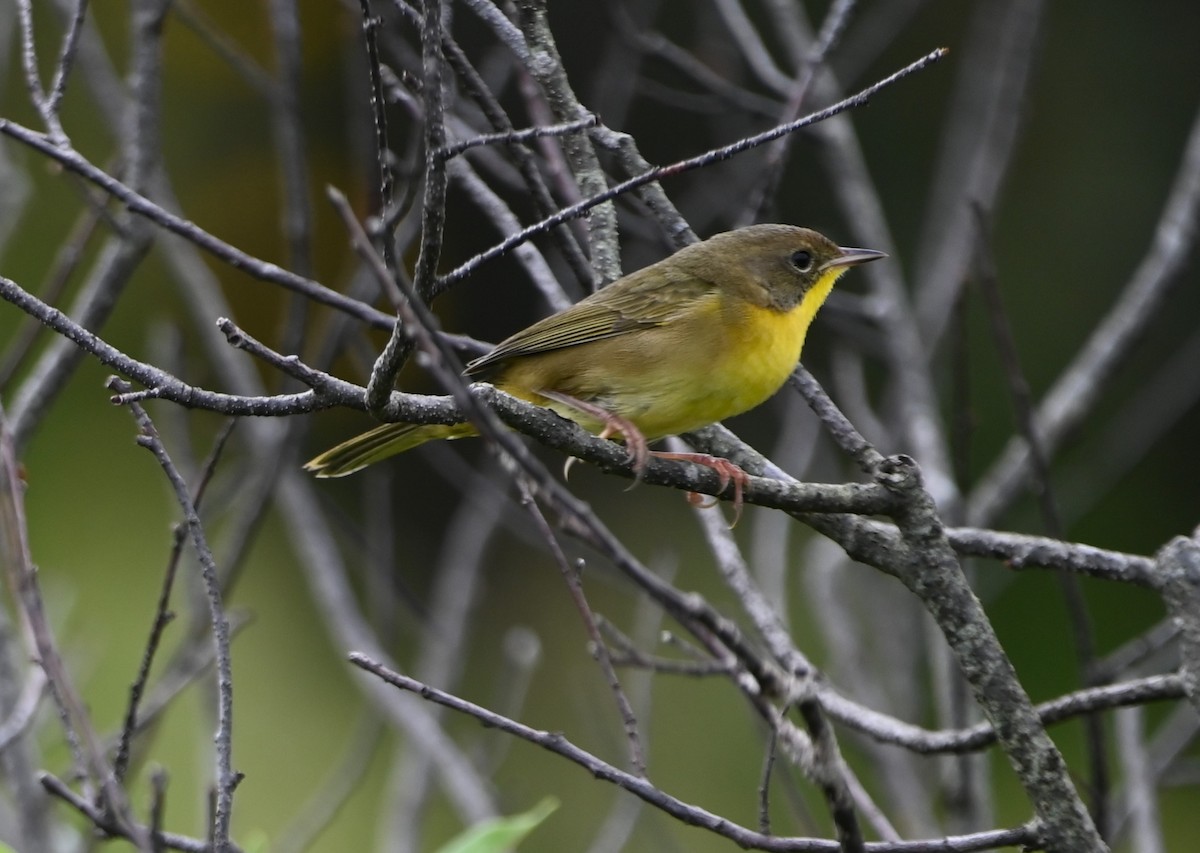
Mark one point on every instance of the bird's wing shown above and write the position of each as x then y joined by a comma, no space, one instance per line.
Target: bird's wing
649,297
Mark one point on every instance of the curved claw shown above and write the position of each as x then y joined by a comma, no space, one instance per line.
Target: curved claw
639,452
728,474
635,443
701,501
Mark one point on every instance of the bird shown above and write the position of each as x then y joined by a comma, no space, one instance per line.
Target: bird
707,333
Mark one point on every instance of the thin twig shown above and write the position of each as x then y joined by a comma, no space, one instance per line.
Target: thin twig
344,779
103,822
449,626
527,254
66,57
980,136
518,137
136,203
227,779
387,244
1080,385
655,44
546,66
775,156
571,575
160,384
21,576
545,205
54,283
1082,632
628,654
887,729
433,207
685,812
838,425
162,613
657,173
33,79
241,63
288,133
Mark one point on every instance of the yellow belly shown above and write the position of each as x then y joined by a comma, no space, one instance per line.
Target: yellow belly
755,357
716,362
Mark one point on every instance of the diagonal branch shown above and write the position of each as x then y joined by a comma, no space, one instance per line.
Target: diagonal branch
1082,383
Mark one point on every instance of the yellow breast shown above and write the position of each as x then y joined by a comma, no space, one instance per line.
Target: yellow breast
718,360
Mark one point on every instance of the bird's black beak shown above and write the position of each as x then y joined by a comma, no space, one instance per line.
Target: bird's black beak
854,257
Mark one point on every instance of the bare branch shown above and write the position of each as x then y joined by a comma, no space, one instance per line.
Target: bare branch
227,779
689,814
935,576
236,258
1081,384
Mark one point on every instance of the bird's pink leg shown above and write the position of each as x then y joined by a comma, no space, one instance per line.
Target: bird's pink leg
727,473
635,442
639,452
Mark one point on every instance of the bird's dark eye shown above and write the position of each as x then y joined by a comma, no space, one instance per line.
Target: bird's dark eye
802,260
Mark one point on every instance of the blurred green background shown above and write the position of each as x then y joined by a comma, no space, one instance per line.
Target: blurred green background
1115,92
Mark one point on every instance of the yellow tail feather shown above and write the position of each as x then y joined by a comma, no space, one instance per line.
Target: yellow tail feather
380,443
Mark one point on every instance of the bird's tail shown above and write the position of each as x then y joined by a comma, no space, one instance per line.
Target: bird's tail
380,443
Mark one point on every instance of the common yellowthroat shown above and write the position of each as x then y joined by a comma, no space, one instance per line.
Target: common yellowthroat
707,333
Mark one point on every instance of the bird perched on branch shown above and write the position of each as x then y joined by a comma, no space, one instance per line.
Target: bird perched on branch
707,333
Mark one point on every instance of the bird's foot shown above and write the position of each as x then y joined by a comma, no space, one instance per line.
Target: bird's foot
635,443
727,473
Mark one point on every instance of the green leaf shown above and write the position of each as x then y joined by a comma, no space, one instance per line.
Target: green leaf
501,834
